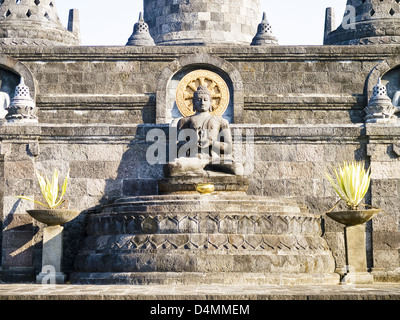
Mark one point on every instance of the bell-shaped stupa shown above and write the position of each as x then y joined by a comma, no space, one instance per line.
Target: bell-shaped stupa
34,22
22,107
264,34
366,22
202,22
380,108
140,35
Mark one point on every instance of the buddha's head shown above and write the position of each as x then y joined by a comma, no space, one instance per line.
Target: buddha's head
202,100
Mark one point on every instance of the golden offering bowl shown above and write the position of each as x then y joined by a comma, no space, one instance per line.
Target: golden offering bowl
205,188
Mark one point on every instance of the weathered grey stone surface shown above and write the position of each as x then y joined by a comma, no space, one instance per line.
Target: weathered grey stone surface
35,23
202,22
96,105
215,292
367,22
191,239
52,256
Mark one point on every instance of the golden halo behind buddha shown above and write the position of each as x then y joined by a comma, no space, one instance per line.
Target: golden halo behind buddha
188,86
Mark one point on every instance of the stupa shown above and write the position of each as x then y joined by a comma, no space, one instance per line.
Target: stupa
202,22
35,22
365,22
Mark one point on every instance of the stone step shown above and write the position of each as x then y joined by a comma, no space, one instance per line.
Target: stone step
205,204
216,279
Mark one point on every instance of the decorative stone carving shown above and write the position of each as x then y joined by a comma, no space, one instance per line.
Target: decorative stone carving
215,84
264,34
141,35
22,106
197,241
380,108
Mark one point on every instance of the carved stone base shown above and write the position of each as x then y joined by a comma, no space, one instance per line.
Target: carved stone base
191,238
223,183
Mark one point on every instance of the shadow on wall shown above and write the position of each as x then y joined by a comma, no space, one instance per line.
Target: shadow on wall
19,244
133,177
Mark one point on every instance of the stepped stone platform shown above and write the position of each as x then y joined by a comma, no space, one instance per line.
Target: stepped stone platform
377,291
204,239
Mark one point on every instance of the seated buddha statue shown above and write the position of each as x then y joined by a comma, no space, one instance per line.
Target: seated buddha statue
209,146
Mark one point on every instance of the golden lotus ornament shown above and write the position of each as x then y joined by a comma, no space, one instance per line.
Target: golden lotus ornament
205,188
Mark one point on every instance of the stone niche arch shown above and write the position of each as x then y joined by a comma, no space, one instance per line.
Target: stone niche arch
11,71
389,71
166,111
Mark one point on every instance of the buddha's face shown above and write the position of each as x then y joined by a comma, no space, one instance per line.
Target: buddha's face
202,102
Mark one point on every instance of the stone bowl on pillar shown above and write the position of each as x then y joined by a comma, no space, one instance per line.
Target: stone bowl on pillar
353,217
53,217
352,184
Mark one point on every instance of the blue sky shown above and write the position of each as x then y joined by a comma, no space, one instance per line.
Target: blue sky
294,22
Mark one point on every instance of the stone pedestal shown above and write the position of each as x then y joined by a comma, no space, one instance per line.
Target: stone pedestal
51,256
188,238
356,256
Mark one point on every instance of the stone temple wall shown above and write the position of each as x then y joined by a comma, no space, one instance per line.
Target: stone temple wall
97,104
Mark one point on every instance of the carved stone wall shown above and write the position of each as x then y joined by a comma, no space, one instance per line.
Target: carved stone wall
96,106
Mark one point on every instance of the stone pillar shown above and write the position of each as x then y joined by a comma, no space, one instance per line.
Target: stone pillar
356,256
52,256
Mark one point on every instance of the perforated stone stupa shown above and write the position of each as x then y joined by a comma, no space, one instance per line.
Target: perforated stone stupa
367,22
34,22
140,35
202,22
264,34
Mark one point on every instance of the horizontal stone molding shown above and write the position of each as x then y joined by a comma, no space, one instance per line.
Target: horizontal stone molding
191,243
181,223
305,102
207,260
48,133
230,53
95,102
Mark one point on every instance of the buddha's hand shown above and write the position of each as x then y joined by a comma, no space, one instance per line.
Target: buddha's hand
204,143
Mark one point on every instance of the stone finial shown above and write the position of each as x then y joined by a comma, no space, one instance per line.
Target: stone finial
264,34
329,22
380,108
73,23
141,35
22,106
